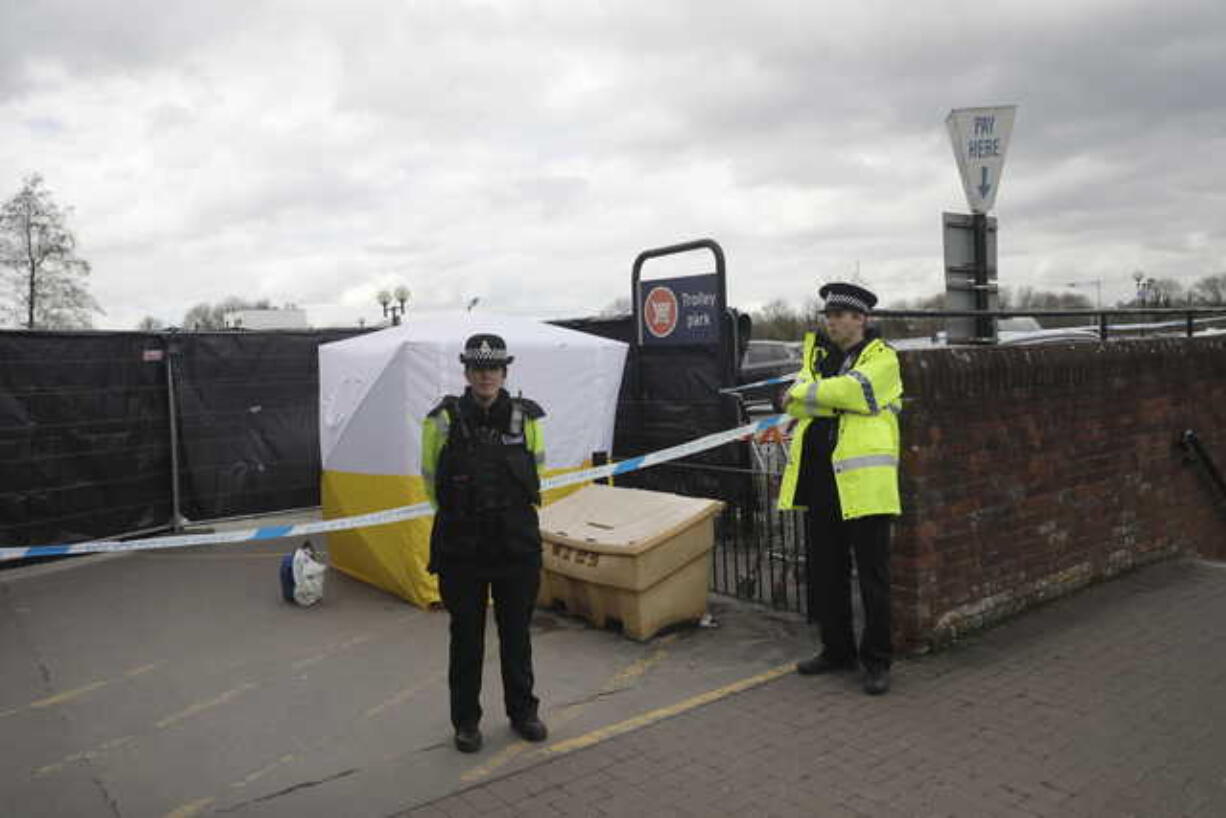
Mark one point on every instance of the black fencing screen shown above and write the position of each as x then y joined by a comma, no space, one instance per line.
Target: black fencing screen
670,395
248,407
84,436
85,429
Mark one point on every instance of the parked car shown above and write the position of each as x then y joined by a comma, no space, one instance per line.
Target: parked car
763,360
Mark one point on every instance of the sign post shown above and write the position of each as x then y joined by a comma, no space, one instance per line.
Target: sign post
980,138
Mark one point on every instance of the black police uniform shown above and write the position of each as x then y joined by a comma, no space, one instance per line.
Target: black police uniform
486,541
831,541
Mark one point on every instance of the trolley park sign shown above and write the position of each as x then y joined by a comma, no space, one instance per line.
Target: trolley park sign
980,137
679,310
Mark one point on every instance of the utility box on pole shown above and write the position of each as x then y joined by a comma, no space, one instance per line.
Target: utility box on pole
980,138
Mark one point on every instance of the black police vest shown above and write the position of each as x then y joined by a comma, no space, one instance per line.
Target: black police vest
486,485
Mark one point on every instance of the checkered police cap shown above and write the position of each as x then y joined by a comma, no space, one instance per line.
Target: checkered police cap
485,351
843,296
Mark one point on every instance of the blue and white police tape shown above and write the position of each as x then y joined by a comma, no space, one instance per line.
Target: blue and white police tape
391,515
756,384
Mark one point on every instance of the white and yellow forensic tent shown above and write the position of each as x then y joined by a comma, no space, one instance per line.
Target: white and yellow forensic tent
375,390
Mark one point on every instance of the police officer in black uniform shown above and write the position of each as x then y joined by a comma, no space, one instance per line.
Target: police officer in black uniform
481,456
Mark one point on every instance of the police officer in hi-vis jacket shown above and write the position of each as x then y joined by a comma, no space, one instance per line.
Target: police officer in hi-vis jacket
843,468
482,454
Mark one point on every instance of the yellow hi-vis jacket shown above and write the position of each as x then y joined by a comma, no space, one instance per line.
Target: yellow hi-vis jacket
866,399
436,430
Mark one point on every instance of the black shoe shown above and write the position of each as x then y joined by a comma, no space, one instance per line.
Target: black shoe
822,663
530,729
877,681
467,739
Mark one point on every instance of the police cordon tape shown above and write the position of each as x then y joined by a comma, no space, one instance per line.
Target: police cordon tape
391,515
755,384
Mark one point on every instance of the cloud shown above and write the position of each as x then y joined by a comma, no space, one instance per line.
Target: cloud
526,152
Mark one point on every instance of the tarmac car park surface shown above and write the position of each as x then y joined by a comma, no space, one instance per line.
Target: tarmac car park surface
178,683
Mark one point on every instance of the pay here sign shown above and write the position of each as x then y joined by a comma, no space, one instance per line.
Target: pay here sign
980,137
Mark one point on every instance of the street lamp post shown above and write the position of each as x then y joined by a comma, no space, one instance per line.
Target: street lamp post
395,311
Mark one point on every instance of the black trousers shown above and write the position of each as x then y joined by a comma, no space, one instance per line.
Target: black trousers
832,543
465,592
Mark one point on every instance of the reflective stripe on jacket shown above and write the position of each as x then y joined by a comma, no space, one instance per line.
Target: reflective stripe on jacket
436,429
866,399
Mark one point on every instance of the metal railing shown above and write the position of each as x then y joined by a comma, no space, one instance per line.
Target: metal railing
759,552
1184,320
1197,452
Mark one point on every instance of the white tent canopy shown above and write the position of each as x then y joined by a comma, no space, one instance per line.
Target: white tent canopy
376,389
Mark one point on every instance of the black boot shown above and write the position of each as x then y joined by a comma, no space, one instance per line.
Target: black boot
530,729
821,663
468,739
876,681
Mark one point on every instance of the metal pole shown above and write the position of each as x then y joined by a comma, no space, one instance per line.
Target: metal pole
176,517
983,323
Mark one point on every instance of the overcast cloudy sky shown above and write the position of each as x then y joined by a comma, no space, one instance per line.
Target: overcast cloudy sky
525,152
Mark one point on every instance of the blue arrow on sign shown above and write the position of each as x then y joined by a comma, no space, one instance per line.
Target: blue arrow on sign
984,187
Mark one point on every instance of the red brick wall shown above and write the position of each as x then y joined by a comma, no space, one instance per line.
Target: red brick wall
1028,472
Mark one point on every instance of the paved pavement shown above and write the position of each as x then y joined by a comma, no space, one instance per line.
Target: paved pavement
176,684
1108,703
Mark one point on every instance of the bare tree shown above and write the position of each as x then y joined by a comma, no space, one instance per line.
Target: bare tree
1209,291
779,320
150,324
1167,292
44,277
913,327
1028,298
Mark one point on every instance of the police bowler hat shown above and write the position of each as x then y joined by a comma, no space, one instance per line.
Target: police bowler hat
843,296
485,351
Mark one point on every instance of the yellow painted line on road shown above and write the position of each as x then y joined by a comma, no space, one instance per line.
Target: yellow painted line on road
84,755
200,707
67,695
263,771
398,698
327,653
619,681
503,756
634,671
76,692
190,809
659,714
402,695
55,767
141,670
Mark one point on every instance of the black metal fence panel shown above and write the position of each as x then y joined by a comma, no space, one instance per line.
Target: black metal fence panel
759,552
84,436
248,407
